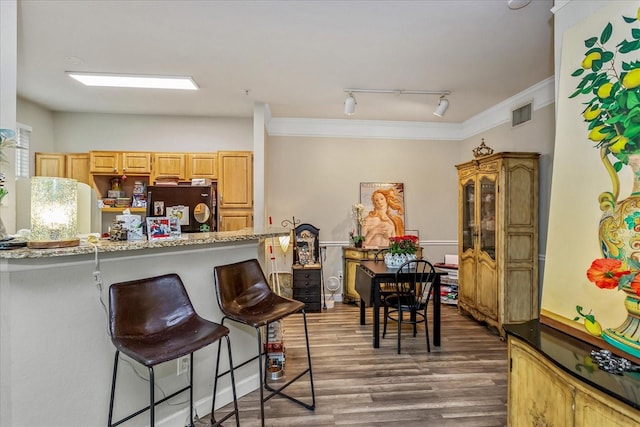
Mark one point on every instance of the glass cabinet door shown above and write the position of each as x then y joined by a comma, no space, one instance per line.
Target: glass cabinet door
488,216
468,204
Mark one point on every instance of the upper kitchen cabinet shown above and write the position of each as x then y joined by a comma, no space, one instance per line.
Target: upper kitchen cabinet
51,164
63,165
202,165
169,164
235,179
120,163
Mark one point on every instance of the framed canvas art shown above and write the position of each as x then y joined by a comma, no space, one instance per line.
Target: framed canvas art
383,212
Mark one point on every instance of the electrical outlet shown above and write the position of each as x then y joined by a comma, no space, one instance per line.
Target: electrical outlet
183,364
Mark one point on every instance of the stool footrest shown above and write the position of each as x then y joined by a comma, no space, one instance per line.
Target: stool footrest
135,414
278,391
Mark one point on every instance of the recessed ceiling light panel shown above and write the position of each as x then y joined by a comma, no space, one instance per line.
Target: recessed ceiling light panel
134,80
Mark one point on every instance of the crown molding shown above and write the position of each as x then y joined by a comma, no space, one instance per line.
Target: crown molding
542,94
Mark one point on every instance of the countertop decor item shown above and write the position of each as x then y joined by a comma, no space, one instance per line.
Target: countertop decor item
54,213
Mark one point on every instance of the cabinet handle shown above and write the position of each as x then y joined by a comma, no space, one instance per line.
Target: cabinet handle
124,169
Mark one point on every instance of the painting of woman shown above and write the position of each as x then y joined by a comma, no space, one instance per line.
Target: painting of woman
386,218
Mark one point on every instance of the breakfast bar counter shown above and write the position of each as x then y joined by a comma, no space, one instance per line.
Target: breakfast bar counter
56,356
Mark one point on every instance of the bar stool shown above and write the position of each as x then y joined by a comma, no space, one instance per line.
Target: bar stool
153,321
244,296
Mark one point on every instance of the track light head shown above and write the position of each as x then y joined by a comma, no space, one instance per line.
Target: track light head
350,104
443,104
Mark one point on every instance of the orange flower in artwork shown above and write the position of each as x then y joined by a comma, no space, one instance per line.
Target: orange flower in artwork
606,273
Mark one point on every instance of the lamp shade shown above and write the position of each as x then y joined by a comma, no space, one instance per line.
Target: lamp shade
350,105
443,104
54,212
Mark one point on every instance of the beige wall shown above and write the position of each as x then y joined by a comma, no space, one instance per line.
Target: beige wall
314,179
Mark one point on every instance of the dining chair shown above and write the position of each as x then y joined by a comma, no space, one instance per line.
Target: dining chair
153,321
408,302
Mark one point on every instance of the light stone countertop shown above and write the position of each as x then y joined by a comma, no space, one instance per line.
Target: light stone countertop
187,239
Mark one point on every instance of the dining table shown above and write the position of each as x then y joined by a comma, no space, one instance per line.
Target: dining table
370,275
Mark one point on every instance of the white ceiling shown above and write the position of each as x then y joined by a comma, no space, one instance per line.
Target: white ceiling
295,56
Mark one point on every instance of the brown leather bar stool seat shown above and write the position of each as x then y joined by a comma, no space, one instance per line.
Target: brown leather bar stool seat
153,321
245,297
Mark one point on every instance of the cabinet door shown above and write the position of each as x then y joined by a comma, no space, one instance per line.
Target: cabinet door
104,162
50,164
202,165
485,247
231,220
78,167
467,238
537,393
169,164
136,163
235,179
594,409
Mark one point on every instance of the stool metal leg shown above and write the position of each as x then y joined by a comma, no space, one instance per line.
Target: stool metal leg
113,387
233,386
152,406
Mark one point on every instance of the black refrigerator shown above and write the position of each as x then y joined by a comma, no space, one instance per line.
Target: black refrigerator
195,206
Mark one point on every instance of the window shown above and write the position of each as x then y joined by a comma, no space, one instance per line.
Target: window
23,135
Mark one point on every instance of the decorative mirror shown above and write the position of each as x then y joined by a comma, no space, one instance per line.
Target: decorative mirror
201,213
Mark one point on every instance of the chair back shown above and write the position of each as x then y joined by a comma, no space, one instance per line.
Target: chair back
414,282
148,306
240,285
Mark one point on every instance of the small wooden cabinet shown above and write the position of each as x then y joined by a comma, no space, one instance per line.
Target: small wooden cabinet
120,163
63,165
202,165
307,286
498,238
235,188
232,219
307,267
540,393
51,164
169,164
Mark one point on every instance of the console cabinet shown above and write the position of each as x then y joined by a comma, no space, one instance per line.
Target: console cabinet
542,394
498,238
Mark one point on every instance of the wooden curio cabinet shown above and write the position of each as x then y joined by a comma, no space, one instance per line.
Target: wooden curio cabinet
498,238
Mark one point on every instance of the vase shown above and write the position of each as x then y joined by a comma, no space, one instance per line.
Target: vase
619,235
358,244
396,260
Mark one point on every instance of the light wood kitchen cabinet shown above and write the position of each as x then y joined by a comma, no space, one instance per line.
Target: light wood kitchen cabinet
235,174
498,238
231,219
120,163
77,167
202,165
542,394
51,164
169,164
63,165
235,190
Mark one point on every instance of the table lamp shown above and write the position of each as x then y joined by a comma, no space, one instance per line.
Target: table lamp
54,213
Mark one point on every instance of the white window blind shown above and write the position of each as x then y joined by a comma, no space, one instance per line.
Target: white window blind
23,154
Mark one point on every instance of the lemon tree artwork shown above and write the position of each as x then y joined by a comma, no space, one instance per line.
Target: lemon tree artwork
610,83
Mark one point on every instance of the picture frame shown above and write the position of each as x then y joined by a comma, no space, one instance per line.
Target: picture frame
412,233
385,220
159,228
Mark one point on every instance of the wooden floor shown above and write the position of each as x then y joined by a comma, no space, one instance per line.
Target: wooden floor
462,383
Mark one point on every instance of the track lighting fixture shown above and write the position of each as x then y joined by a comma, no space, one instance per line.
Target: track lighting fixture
350,104
443,104
350,101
